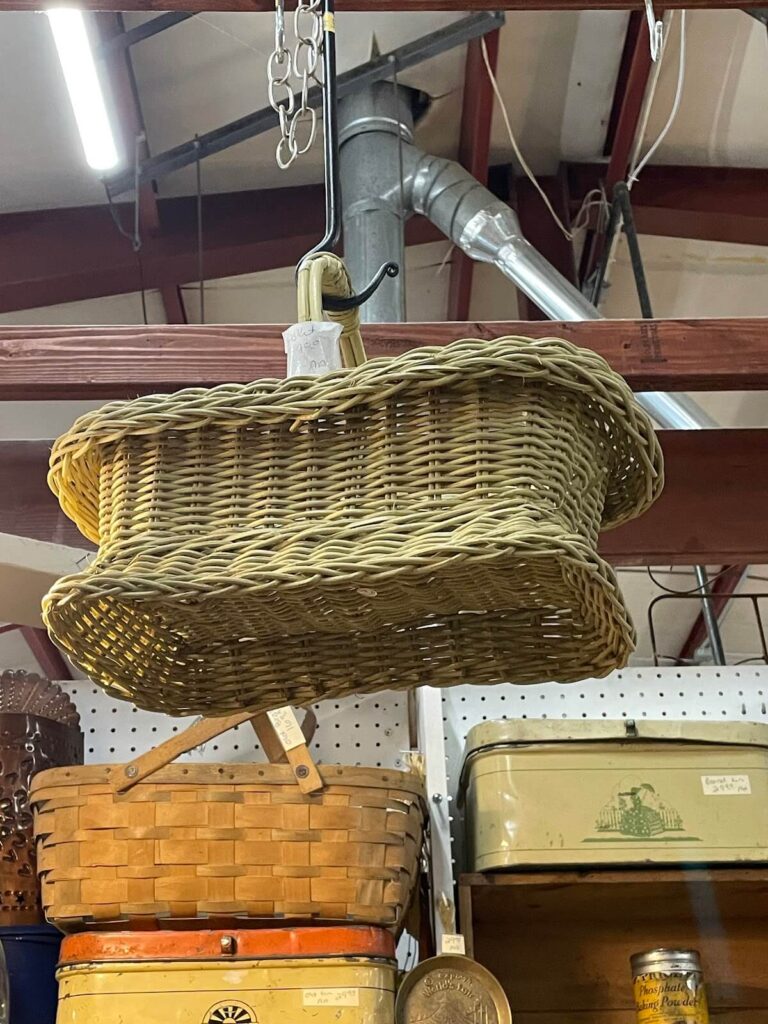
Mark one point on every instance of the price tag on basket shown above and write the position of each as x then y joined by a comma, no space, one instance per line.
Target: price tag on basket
286,725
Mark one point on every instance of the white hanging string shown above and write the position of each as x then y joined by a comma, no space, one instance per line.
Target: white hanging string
635,172
513,142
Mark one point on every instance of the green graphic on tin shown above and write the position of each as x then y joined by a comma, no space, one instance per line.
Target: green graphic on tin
637,813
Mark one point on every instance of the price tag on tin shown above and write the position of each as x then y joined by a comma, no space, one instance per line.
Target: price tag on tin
286,725
453,944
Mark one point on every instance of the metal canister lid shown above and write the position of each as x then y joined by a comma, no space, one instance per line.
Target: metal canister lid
665,961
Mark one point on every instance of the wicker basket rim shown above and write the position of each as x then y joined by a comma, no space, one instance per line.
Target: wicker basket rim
45,783
305,398
121,580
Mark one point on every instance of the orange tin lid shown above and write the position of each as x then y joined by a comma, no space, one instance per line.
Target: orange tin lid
253,944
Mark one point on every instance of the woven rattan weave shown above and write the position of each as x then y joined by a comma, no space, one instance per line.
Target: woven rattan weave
431,518
227,842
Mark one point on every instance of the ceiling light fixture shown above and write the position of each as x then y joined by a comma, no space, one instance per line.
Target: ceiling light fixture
85,92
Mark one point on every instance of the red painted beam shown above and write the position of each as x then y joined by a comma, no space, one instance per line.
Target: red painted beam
693,522
628,99
631,87
375,6
75,253
721,590
50,659
715,204
712,507
124,92
113,362
474,151
541,230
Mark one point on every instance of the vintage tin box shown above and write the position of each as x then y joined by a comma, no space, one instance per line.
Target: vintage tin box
543,793
271,976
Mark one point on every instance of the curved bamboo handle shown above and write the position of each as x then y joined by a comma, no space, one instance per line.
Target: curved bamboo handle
304,768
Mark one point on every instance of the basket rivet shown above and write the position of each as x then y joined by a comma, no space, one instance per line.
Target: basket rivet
302,771
131,771
228,944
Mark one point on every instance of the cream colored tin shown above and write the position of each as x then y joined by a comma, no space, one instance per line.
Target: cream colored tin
540,793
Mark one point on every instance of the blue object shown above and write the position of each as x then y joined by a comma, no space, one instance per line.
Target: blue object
31,954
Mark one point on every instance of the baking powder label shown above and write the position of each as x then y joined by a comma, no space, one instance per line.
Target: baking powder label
670,999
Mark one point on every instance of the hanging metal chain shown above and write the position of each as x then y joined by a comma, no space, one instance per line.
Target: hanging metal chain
294,72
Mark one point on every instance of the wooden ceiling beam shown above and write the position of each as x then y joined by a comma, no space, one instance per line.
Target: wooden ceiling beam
52,663
375,6
711,509
118,65
74,253
712,204
115,362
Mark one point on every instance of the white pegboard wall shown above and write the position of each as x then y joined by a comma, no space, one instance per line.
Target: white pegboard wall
717,694
370,730
729,693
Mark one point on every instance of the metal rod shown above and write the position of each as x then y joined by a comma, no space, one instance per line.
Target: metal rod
622,201
709,615
264,120
332,174
330,136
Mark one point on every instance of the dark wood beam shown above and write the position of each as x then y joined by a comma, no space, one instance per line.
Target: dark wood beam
474,150
75,253
118,65
711,510
713,204
631,86
541,230
114,362
46,653
26,509
372,6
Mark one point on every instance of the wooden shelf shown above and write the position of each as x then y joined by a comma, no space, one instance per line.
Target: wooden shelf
559,942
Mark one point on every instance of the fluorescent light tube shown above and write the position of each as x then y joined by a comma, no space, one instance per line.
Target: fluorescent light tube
85,93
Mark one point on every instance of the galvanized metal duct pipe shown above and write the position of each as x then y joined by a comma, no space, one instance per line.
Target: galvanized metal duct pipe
374,125
384,174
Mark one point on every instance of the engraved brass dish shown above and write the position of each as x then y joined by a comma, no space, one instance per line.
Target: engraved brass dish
450,989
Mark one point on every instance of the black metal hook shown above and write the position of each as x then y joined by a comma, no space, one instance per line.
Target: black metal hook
338,305
332,174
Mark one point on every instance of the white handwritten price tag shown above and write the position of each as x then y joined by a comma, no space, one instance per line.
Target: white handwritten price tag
312,348
452,944
287,727
726,785
331,996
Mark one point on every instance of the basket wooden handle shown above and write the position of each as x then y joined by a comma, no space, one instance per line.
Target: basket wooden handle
298,756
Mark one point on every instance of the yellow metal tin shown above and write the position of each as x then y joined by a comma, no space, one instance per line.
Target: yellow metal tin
669,987
555,793
325,990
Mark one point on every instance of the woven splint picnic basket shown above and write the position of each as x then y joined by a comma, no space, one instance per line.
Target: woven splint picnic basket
141,846
431,518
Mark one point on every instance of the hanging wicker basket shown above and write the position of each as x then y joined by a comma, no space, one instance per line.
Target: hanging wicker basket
155,844
431,518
